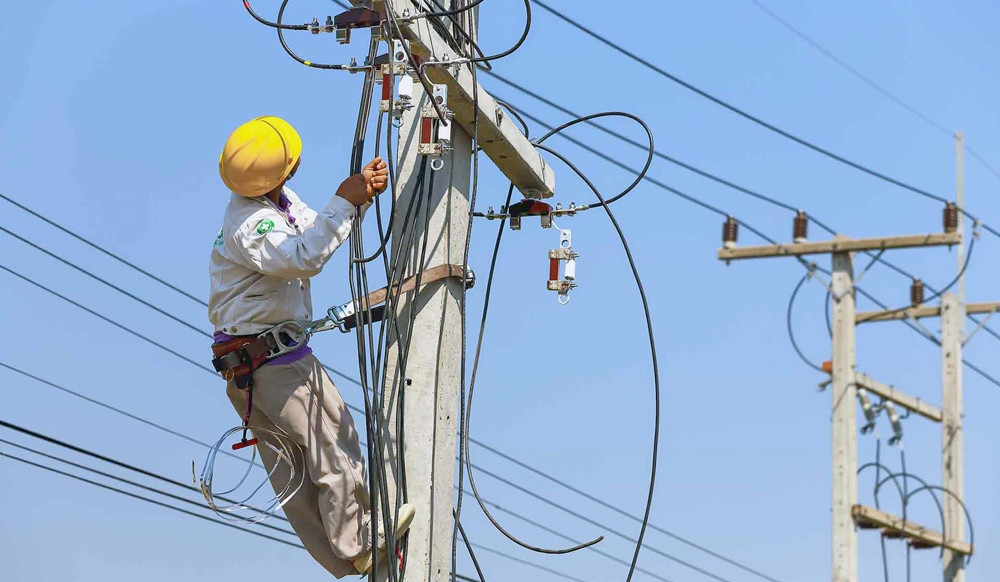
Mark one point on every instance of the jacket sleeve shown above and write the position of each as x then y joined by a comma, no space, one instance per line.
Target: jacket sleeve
270,246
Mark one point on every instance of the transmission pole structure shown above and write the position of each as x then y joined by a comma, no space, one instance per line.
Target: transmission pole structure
953,329
433,373
850,386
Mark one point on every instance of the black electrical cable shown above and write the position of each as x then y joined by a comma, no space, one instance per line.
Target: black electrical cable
878,465
906,503
788,324
291,53
652,348
871,83
528,563
956,499
472,554
404,351
460,9
359,290
463,298
595,549
455,43
383,234
517,45
468,416
649,157
246,4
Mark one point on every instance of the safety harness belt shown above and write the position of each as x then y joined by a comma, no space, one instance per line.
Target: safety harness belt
237,358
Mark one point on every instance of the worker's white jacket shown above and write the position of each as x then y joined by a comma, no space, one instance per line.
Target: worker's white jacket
263,258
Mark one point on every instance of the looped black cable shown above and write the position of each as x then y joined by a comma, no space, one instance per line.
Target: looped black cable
649,157
257,17
788,324
281,38
652,348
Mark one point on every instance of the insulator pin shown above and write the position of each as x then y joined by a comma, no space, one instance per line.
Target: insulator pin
917,292
730,232
950,217
800,228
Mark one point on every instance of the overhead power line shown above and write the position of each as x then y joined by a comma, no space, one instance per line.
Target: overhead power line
150,500
102,249
725,104
870,82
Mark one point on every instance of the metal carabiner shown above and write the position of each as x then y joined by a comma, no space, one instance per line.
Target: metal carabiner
293,330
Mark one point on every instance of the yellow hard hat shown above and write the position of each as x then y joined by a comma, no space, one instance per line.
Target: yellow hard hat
259,156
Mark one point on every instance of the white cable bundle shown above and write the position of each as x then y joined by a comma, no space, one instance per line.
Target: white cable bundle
289,454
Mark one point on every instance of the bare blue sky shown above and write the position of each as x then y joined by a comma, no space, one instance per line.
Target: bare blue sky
111,119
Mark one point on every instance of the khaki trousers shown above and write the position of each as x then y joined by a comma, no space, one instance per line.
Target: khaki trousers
330,513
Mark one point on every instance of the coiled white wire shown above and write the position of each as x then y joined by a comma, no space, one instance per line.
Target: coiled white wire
289,454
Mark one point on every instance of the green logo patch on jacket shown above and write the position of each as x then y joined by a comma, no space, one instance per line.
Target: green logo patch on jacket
218,239
265,226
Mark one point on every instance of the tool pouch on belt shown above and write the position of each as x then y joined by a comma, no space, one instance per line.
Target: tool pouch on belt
237,358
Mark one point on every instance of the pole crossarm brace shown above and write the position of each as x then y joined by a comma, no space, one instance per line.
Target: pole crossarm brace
896,527
889,393
923,312
520,161
841,246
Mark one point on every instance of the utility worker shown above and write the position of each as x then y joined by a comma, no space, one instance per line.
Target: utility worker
269,247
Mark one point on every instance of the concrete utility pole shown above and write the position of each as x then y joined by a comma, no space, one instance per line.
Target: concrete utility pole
846,513
953,328
952,470
431,397
843,421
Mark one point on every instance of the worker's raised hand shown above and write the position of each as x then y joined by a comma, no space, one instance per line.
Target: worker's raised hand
376,177
359,189
354,190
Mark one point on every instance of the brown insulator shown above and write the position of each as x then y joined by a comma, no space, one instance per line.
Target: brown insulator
917,292
800,229
950,217
730,232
